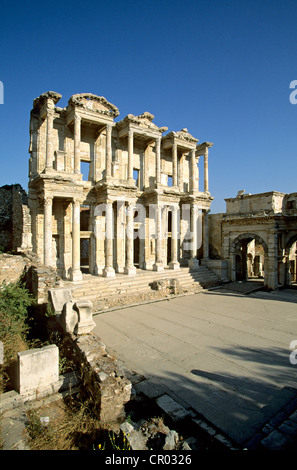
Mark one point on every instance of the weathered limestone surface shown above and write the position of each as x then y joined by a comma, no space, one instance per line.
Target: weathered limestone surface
107,196
257,237
104,382
15,220
58,298
37,368
11,268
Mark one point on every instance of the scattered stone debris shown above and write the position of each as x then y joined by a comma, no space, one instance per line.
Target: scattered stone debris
153,434
167,285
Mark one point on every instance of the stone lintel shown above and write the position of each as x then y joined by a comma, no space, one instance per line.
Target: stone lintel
201,148
89,117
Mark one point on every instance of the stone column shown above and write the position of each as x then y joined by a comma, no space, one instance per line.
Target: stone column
271,265
120,236
174,165
197,170
76,274
158,160
49,137
158,265
181,173
205,236
129,266
193,262
174,264
48,210
206,189
108,271
193,170
77,138
98,231
108,150
130,155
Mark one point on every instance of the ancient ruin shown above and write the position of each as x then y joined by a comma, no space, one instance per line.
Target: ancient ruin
257,237
112,196
109,198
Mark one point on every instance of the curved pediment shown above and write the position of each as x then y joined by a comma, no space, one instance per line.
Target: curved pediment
95,103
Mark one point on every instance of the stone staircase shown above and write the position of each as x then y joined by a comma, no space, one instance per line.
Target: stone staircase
146,285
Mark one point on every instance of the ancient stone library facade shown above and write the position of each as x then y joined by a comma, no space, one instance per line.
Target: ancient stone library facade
110,197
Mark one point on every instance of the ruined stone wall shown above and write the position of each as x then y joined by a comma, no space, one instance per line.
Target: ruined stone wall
11,267
21,220
15,220
5,218
271,202
103,380
39,279
215,235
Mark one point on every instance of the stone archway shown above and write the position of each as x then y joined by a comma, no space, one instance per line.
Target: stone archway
242,260
291,260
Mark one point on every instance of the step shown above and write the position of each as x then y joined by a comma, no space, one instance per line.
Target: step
96,288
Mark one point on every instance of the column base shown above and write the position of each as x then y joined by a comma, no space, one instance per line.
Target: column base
158,267
98,270
193,263
119,269
130,271
108,272
148,265
174,265
76,275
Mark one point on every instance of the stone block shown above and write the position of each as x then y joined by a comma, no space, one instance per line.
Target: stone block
37,368
276,441
172,408
171,441
289,427
85,321
58,298
149,389
68,318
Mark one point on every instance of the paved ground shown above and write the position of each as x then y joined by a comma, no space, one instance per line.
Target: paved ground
223,354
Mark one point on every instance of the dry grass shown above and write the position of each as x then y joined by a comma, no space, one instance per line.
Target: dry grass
72,426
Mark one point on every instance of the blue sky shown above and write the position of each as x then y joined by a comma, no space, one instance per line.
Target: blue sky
222,69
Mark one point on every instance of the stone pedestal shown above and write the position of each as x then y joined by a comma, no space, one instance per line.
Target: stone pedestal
130,271
174,265
68,318
108,272
85,321
158,267
193,263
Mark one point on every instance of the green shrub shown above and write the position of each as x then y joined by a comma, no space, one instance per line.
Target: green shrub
14,303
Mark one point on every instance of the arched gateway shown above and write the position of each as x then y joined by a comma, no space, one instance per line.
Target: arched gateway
248,254
257,237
